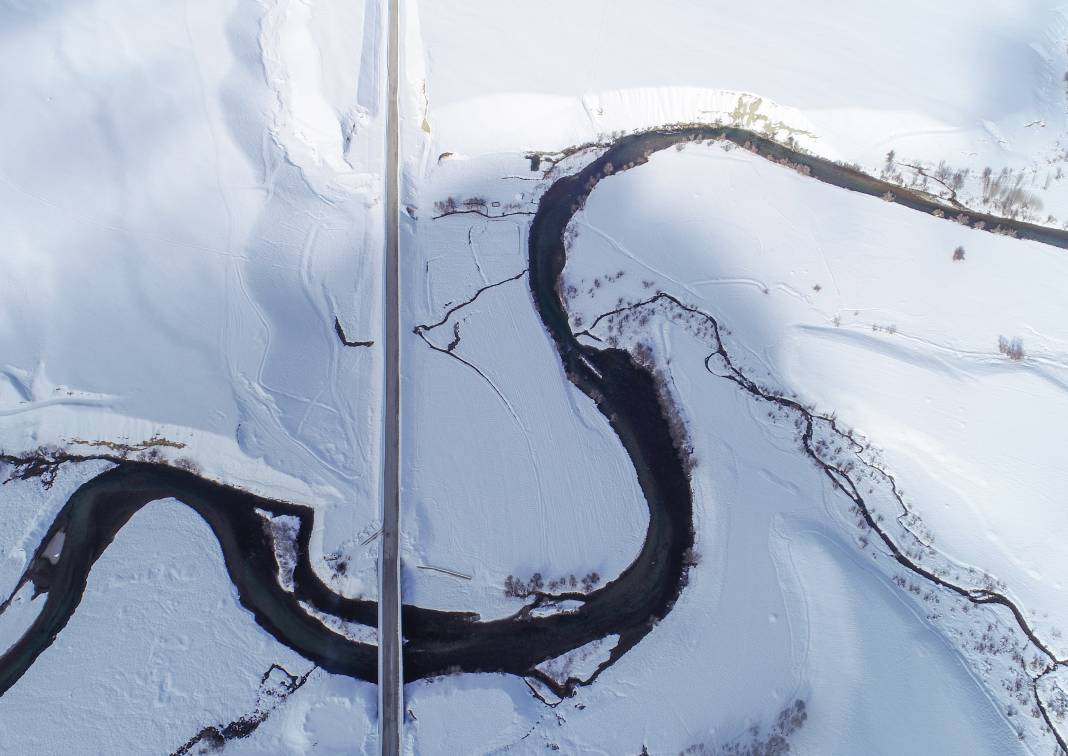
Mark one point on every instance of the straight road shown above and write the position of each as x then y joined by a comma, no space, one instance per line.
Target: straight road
390,685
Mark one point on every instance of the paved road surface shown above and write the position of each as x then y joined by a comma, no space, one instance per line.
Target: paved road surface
390,687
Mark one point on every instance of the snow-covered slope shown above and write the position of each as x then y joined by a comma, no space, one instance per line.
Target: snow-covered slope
860,307
973,84
191,197
194,200
192,273
854,305
157,652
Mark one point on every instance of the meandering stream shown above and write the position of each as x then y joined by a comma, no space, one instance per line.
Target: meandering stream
436,641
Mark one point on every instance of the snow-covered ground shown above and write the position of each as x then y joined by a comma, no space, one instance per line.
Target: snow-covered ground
785,603
974,84
193,196
511,471
193,200
855,305
859,306
158,650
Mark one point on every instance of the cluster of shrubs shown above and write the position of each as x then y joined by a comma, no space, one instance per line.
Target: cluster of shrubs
452,205
1011,348
518,588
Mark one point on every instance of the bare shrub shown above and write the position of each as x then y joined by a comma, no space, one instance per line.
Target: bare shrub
1058,703
958,254
1011,348
774,741
590,581
185,463
517,587
1004,193
446,206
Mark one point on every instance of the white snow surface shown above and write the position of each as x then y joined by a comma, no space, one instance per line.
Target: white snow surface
193,194
158,649
853,304
899,340
193,200
580,663
974,84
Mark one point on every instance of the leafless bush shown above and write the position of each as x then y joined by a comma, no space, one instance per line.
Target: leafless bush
1011,348
1005,194
516,587
890,171
339,564
958,254
953,179
443,207
757,742
185,463
1057,703
471,204
643,355
590,581
676,425
570,234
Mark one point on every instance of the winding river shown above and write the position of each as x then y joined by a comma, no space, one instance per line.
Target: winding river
436,641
